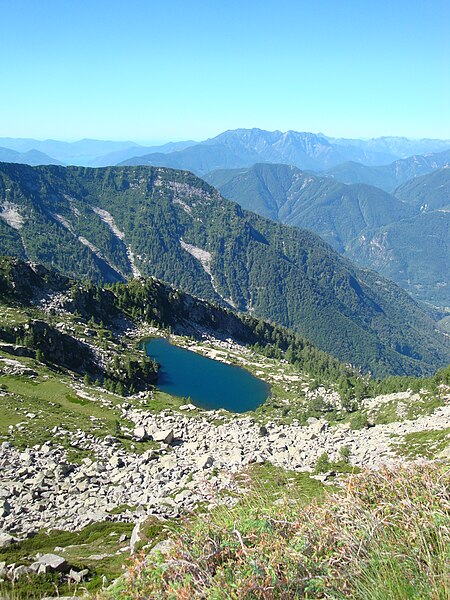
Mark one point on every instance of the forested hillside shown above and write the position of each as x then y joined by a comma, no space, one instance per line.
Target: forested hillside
381,231
337,212
110,224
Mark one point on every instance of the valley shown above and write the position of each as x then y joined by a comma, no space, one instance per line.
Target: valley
90,474
224,301
108,224
116,458
374,229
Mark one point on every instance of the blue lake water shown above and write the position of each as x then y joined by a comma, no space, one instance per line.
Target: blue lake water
208,383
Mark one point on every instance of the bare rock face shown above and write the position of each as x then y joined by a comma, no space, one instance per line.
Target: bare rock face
140,434
5,507
204,462
135,537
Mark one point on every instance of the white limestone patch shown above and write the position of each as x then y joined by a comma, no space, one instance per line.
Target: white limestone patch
136,272
91,246
107,218
10,213
64,222
184,206
203,256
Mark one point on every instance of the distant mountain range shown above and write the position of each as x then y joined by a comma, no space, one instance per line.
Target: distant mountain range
414,252
405,236
389,177
316,152
30,157
245,147
236,148
400,147
114,223
82,152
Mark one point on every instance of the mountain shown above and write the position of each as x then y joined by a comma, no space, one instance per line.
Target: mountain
415,252
303,149
389,177
401,147
241,148
427,193
337,212
78,153
30,157
112,223
199,159
244,147
374,229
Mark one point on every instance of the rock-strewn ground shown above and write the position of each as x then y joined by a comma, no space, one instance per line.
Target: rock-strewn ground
41,489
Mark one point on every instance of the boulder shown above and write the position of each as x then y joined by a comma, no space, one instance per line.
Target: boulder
6,539
50,563
205,461
4,494
165,435
20,571
116,462
163,547
140,434
5,508
135,537
78,576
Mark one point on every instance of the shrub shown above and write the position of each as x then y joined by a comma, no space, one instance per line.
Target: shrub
323,464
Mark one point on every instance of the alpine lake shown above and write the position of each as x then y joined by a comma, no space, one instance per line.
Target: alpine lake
207,383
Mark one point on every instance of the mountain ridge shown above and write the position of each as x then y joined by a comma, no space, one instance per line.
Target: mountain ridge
110,223
374,229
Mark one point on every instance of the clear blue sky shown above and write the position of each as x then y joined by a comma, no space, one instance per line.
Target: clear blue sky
189,69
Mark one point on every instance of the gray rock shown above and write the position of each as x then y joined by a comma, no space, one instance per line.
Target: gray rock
183,496
6,540
78,576
116,462
5,508
205,461
49,563
188,407
4,494
20,571
135,537
166,436
140,434
163,547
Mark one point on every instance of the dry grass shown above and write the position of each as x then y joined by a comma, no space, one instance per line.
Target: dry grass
386,536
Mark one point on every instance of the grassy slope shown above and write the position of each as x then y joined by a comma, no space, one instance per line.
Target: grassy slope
385,536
